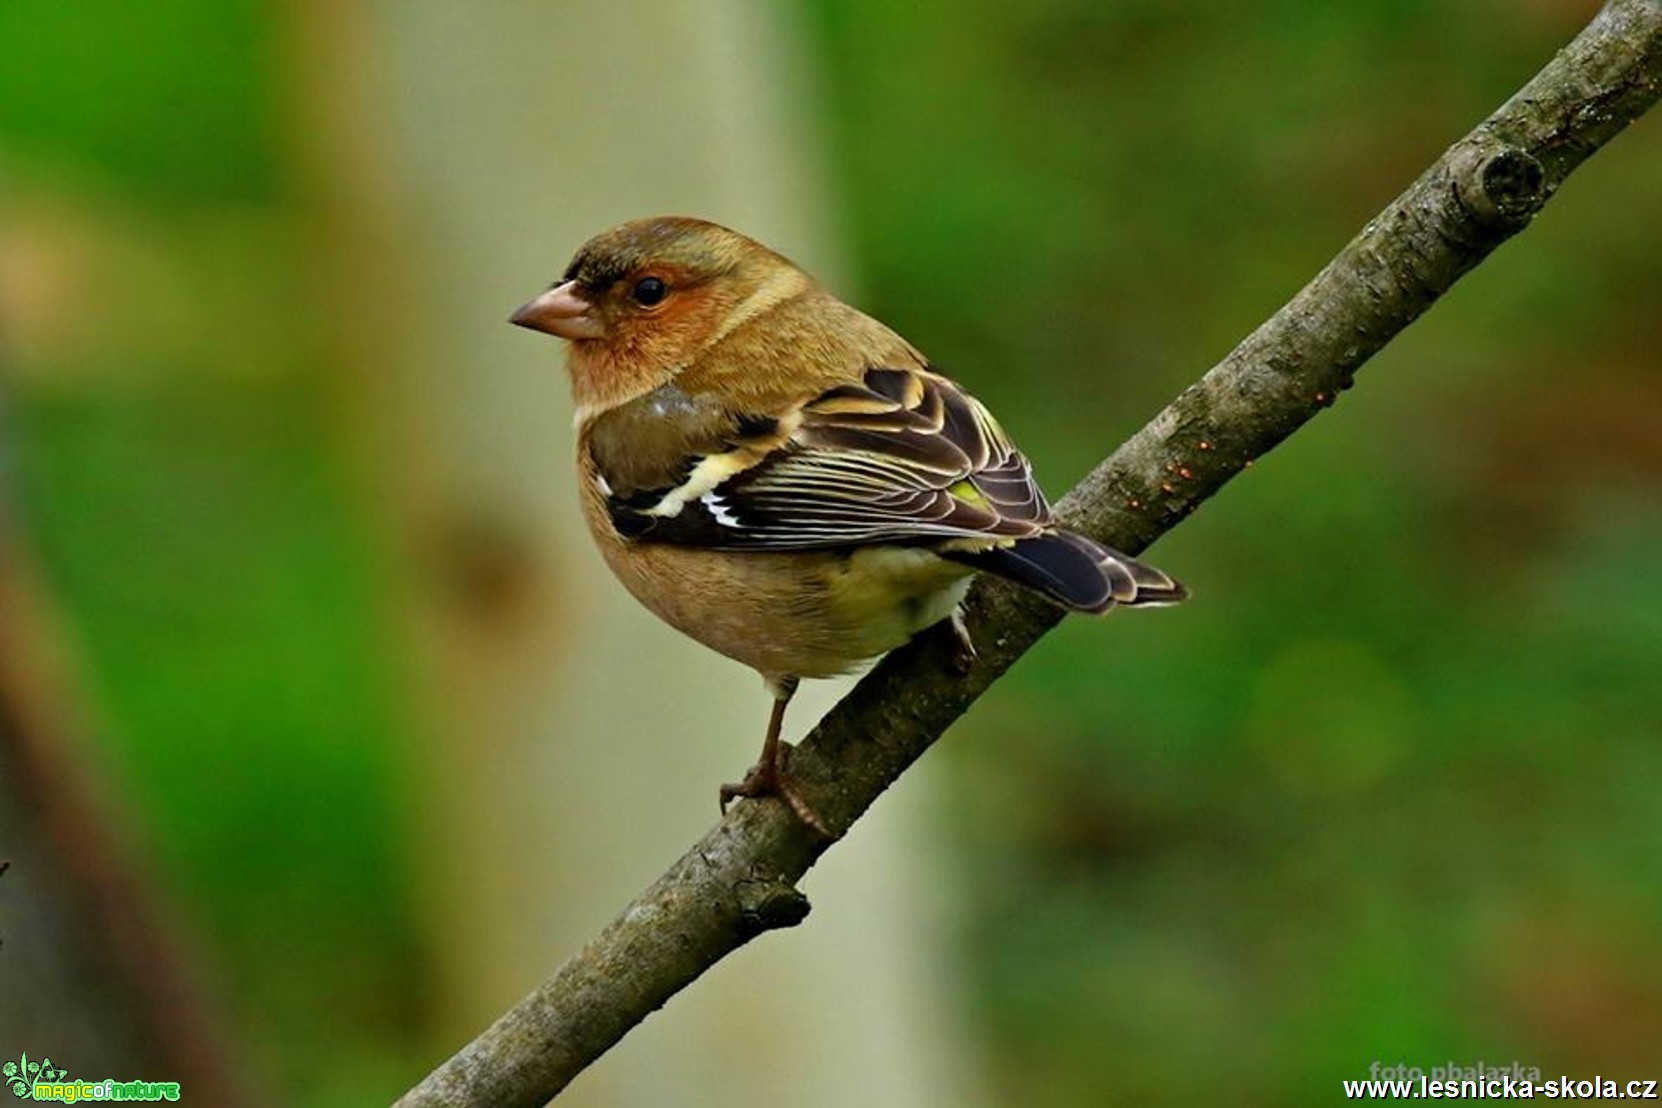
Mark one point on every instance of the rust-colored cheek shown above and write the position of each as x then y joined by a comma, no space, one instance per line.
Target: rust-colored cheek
682,329
643,350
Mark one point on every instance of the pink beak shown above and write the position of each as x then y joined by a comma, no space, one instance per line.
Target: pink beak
560,311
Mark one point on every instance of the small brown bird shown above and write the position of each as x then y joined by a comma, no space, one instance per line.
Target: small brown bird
784,478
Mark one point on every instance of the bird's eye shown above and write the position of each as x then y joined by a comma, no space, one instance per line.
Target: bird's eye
649,291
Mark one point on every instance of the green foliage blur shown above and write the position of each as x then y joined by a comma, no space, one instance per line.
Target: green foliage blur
1385,790
179,482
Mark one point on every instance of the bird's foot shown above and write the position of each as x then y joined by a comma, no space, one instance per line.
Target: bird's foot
771,779
963,647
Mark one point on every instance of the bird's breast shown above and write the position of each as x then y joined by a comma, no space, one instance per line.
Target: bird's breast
814,613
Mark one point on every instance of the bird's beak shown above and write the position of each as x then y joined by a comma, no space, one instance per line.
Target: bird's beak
560,311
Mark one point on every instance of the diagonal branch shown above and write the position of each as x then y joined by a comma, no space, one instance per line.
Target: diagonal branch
740,879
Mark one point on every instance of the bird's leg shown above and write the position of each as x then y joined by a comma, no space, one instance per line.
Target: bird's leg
963,647
768,777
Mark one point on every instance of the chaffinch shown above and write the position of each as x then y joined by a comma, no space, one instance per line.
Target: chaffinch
782,477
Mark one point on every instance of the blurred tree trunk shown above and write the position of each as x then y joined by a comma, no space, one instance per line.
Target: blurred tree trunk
569,742
93,973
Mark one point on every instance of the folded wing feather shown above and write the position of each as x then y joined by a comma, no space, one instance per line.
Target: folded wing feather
905,456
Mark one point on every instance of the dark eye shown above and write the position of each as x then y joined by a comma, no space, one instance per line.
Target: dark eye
649,291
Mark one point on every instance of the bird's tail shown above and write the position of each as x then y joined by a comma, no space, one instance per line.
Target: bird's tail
1076,572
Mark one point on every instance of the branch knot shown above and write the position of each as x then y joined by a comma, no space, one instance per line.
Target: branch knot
767,903
1501,186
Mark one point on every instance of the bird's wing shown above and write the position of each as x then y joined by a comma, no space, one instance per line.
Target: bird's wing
903,456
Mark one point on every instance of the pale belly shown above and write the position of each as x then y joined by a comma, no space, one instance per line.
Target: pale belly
800,614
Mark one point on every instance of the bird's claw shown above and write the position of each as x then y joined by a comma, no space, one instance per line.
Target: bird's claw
963,646
770,779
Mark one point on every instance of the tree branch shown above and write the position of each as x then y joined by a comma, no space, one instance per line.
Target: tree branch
740,879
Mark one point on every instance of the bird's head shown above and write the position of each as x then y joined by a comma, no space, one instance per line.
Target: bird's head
642,301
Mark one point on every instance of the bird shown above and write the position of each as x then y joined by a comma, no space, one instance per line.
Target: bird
785,479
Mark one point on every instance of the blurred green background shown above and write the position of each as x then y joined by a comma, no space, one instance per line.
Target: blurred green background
1387,789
